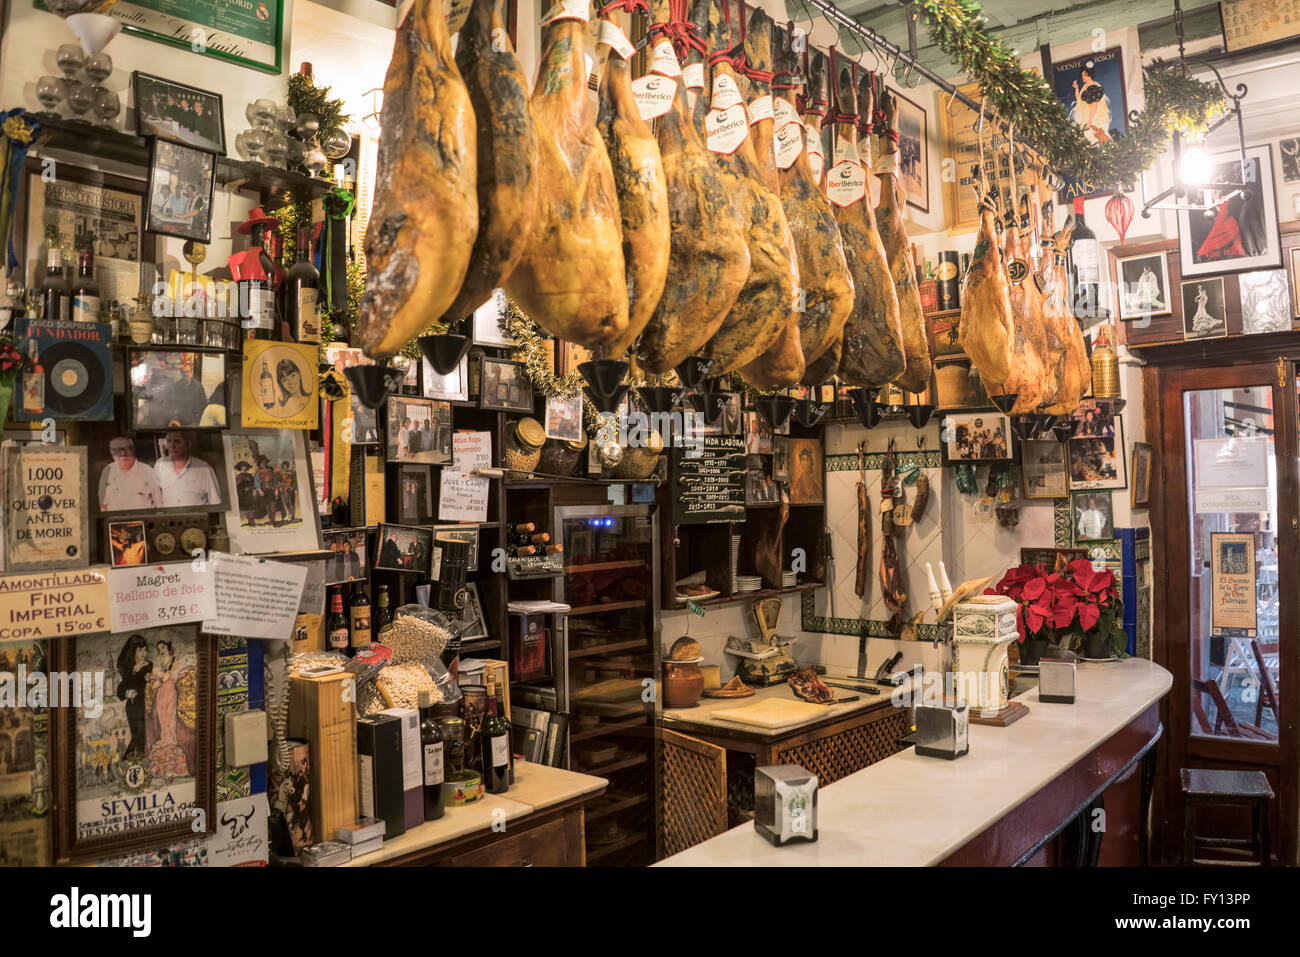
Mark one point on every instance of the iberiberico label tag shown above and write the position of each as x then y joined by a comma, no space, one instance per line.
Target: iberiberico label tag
725,130
612,35
787,132
565,10
1017,270
725,92
664,60
654,95
846,183
760,109
693,76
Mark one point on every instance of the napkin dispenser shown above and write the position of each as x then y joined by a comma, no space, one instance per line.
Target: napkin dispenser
1056,681
785,803
942,732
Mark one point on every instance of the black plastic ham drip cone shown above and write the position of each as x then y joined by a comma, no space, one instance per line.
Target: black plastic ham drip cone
604,375
444,352
1046,421
919,415
373,383
692,370
1024,425
1005,403
864,404
809,412
1063,430
604,402
776,409
660,398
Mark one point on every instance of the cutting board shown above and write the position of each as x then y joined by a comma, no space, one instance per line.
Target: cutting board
772,713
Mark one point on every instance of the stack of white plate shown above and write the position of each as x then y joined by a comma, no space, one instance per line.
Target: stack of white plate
735,561
789,579
746,583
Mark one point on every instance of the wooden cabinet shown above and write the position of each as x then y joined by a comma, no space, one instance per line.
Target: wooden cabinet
557,843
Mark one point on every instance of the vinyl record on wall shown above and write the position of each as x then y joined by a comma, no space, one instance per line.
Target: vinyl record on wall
76,363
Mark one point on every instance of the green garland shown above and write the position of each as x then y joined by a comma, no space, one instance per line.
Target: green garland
306,97
1173,102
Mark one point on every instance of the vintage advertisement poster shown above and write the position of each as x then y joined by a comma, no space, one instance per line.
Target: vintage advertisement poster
1091,87
959,125
279,385
77,213
47,525
1232,584
137,749
24,761
71,370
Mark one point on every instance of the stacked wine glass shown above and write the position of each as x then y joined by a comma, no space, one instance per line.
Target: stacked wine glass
81,87
280,138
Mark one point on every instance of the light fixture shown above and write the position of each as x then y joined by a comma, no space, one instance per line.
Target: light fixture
1195,189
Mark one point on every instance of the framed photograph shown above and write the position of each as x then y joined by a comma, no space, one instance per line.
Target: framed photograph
1265,301
1289,156
419,430
453,386
1205,310
564,418
976,437
807,472
758,434
174,111
126,543
471,616
913,153
759,488
1241,232
1093,418
131,771
505,386
780,460
181,183
730,421
1098,462
365,421
1140,490
46,525
1143,286
570,356
279,387
415,498
272,508
1252,23
460,533
1043,465
172,389
404,548
1091,87
1093,516
347,548
410,384
155,471
490,322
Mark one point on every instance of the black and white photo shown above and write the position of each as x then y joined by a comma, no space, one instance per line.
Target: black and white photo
1241,231
505,386
419,430
1289,150
177,112
181,184
1265,301
175,389
1143,286
1205,313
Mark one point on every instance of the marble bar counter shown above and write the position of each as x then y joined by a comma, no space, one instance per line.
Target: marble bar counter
1000,804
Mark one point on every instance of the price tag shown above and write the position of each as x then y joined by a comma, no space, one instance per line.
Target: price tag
725,130
149,596
654,95
884,163
816,158
760,109
612,35
568,10
693,76
664,60
845,151
902,515
725,92
846,183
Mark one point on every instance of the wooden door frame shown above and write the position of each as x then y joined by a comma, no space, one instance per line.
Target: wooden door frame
1163,386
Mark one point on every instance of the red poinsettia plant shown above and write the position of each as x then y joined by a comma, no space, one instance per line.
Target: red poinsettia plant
1073,604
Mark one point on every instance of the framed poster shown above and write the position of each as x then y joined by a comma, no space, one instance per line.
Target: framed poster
172,389
136,766
1093,516
47,525
1140,494
279,386
1098,461
1043,466
976,437
1232,584
1205,309
182,181
271,507
1092,89
174,111
1143,286
1251,23
1241,232
913,153
958,125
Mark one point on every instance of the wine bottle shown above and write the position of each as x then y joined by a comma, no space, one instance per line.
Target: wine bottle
258,294
1085,267
521,527
359,616
85,289
266,387
520,551
494,747
524,538
54,288
33,382
431,751
338,624
383,617
301,293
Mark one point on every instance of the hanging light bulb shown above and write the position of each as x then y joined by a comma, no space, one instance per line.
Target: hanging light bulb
1194,169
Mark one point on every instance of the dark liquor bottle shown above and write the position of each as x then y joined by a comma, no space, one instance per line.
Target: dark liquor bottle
85,289
494,747
301,288
359,616
949,281
1085,268
431,751
338,623
33,382
54,288
383,617
258,295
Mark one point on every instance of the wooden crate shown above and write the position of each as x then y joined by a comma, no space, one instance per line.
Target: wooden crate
322,713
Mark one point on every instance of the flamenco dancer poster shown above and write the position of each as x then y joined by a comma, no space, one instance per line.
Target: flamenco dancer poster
1092,89
1240,231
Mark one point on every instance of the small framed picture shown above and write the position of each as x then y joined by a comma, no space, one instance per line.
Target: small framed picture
1093,418
1265,301
571,355
759,488
490,328
471,616
156,471
1043,465
1140,491
1290,150
172,389
1098,462
505,386
780,460
415,494
347,560
126,543
564,418
807,472
453,386
419,430
1093,516
272,508
1143,286
181,183
1205,310
977,437
758,434
279,385
174,111
404,548
1239,233
913,153
410,384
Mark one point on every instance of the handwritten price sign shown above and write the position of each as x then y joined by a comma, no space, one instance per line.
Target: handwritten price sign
53,604
148,596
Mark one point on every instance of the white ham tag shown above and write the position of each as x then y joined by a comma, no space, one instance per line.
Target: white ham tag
612,35
783,112
845,151
725,130
883,163
816,158
760,109
664,59
654,95
725,92
693,76
789,144
846,183
568,10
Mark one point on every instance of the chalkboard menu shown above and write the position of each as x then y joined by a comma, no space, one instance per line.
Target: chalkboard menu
708,482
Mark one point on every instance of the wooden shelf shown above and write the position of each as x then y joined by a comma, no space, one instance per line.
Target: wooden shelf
620,802
535,479
608,606
611,727
604,850
620,765
751,595
608,648
602,567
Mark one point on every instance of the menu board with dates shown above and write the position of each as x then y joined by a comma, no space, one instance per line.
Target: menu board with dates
709,481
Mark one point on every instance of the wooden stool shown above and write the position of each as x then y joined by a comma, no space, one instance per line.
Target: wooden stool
1234,788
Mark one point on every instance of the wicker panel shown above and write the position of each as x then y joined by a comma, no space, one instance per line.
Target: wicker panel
839,755
695,791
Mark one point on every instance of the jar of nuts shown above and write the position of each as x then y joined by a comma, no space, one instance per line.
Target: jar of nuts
563,458
524,445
